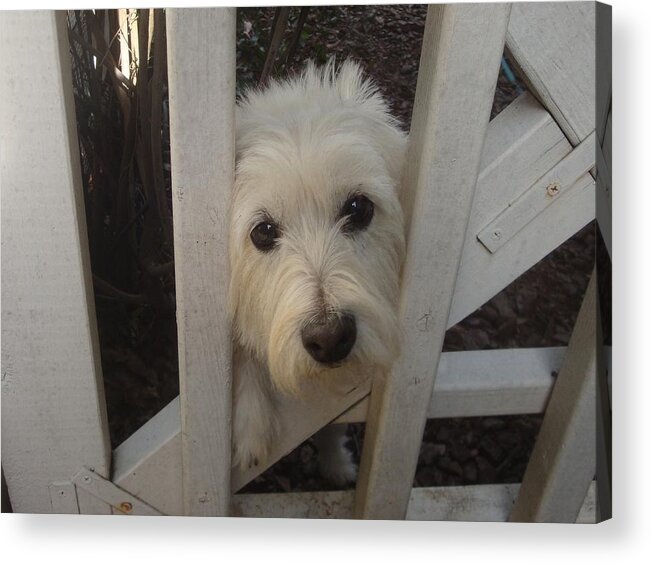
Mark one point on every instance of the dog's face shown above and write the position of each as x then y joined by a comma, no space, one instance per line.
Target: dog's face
317,236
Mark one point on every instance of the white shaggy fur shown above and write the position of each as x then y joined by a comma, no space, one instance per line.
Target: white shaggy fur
304,146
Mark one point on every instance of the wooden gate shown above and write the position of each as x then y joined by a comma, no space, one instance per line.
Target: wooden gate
485,202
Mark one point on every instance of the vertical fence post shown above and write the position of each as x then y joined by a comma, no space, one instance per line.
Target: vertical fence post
53,410
460,61
201,52
563,461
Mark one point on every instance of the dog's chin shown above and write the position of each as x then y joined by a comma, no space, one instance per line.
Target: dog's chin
338,378
341,377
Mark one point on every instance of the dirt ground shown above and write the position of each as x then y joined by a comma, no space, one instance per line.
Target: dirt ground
538,309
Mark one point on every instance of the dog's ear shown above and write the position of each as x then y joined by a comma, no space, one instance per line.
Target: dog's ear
391,142
384,130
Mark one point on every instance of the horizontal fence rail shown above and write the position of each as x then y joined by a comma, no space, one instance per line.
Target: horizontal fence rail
471,503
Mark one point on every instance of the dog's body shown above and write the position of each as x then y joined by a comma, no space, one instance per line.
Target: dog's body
317,242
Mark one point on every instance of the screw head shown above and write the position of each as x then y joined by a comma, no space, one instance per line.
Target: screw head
126,506
497,234
553,189
86,478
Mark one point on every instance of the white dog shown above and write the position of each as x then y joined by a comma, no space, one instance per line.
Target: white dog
316,247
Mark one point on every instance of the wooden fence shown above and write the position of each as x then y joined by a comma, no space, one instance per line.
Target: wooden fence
486,200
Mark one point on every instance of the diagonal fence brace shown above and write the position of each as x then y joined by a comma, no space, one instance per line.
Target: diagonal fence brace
121,500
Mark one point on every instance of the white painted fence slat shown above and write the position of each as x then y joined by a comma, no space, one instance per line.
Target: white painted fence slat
563,462
486,383
523,143
53,410
474,503
443,164
63,496
119,500
604,196
551,189
148,464
554,44
202,115
604,65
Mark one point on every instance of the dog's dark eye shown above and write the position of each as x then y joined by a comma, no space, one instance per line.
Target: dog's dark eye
359,210
265,235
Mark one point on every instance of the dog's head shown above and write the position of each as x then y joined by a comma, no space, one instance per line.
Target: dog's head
317,236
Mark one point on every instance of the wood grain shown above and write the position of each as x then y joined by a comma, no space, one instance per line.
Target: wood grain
53,409
554,45
441,172
474,503
201,47
563,462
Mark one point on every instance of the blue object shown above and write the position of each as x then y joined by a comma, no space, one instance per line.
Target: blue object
510,76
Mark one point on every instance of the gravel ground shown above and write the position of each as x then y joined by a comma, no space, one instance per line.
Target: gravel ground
139,346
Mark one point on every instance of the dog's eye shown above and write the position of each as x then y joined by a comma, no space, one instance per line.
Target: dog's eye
265,235
359,210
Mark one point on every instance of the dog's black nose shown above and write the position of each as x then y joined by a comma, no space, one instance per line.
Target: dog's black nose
331,339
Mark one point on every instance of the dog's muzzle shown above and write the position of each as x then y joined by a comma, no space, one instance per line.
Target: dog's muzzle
329,340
